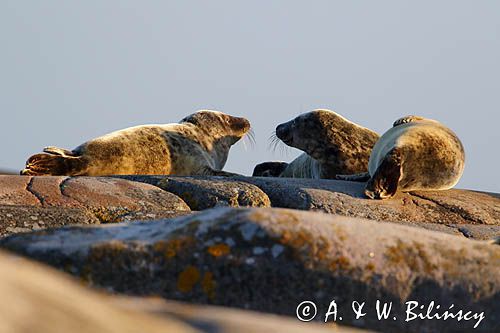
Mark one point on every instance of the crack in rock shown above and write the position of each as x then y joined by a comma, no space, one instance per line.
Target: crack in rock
451,209
38,196
62,185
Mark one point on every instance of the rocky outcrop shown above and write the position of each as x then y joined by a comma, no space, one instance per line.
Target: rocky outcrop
226,320
31,203
466,213
45,201
207,192
271,260
38,299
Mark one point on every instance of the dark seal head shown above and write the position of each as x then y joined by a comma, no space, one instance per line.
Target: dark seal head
269,169
198,145
331,143
415,154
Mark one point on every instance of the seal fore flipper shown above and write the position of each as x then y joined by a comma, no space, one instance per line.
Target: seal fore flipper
384,183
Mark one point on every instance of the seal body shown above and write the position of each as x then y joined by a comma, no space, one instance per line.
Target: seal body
415,154
198,145
332,145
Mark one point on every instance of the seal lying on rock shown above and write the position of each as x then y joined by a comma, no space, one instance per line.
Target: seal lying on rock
415,154
332,145
198,145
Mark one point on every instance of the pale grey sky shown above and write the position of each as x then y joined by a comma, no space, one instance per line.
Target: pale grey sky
70,71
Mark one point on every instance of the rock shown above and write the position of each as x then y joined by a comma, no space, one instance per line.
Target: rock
37,202
472,231
271,260
225,320
36,299
14,191
203,193
346,198
14,219
471,214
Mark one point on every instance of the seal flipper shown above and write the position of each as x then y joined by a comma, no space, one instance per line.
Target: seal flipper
405,120
58,151
358,177
54,165
384,182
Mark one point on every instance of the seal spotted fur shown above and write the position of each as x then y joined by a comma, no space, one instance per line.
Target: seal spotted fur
332,145
415,154
198,145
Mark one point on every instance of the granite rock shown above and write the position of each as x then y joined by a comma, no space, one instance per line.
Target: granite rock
271,260
207,192
471,214
39,299
31,203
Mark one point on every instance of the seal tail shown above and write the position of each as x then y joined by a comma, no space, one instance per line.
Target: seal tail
54,165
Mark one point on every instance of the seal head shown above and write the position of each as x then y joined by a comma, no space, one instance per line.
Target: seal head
332,145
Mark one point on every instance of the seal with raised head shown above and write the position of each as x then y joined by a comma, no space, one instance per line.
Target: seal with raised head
198,145
332,145
415,154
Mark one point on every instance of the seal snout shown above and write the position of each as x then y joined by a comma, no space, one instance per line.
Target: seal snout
284,133
239,125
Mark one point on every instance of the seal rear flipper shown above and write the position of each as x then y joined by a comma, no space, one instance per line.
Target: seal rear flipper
54,165
407,119
358,177
384,182
269,169
58,151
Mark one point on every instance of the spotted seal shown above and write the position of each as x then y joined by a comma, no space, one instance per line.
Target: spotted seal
198,145
332,145
415,154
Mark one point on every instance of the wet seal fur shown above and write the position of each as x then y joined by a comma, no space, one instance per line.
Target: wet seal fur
332,145
415,154
198,145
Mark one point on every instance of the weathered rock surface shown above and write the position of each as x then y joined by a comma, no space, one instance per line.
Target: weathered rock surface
271,260
467,213
38,299
216,319
207,192
28,203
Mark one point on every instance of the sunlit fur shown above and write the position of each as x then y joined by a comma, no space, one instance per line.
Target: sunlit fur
432,157
198,144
